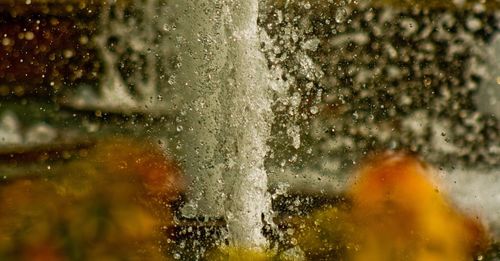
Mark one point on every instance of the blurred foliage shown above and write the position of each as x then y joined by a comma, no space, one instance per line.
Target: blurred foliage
114,203
395,213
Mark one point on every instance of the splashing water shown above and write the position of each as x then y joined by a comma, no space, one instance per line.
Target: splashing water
249,125
227,111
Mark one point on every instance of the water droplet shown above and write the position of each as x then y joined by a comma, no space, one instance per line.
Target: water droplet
393,144
340,15
171,80
355,115
427,82
314,110
295,99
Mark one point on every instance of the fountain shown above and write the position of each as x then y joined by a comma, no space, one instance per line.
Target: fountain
249,125
264,100
227,114
206,60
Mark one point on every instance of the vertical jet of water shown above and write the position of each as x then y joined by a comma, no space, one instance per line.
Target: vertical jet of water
201,46
249,117
223,78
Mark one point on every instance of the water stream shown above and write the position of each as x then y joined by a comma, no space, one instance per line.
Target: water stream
227,114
